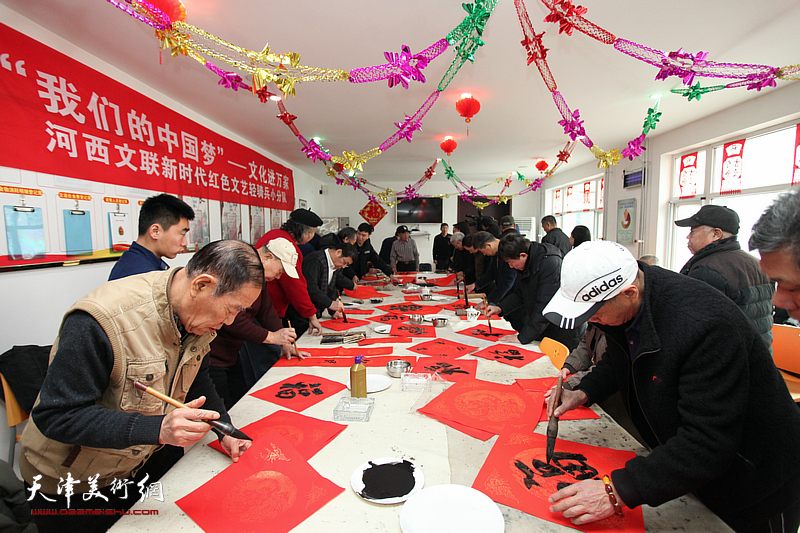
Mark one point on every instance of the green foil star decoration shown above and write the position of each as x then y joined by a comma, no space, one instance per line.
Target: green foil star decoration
651,120
695,91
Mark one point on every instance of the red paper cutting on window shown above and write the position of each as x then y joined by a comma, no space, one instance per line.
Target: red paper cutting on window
516,474
272,484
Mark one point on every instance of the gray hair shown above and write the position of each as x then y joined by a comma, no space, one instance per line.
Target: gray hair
233,264
650,258
778,229
456,237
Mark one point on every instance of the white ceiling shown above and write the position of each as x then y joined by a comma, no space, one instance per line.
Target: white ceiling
518,120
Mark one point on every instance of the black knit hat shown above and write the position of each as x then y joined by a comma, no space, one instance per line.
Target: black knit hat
306,217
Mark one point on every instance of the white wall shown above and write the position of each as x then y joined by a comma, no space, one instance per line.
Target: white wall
34,301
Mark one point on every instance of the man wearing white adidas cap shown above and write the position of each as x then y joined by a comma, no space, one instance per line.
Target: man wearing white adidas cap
698,383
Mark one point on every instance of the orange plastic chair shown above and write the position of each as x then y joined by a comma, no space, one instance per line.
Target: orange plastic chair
16,415
556,351
786,354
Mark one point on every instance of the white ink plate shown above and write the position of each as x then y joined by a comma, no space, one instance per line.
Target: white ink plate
376,383
451,508
383,328
400,478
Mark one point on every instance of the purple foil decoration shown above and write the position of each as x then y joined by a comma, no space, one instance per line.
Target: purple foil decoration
229,80
634,148
313,150
574,126
681,64
404,71
408,127
410,192
163,23
760,81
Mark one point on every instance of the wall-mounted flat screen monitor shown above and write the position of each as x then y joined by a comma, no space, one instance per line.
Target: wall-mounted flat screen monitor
420,211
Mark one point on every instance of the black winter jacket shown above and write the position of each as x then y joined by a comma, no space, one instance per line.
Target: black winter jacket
532,290
725,266
704,392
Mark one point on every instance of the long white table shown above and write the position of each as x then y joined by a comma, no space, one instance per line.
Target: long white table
445,455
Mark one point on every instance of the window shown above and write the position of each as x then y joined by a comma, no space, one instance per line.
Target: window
746,174
578,204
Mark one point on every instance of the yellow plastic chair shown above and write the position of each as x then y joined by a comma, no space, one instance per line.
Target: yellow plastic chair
556,351
786,354
16,415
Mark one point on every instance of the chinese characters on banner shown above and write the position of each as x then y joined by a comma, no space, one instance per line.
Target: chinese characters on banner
61,117
732,154
687,176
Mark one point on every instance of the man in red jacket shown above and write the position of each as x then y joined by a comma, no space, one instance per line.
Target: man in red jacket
286,291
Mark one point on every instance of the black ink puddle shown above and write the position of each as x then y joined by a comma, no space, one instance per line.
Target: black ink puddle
391,480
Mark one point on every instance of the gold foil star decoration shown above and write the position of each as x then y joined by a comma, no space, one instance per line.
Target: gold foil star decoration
503,199
606,159
480,205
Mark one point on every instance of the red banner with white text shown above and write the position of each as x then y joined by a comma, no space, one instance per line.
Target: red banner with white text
732,158
62,117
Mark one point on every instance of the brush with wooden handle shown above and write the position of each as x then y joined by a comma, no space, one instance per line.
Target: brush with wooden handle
224,427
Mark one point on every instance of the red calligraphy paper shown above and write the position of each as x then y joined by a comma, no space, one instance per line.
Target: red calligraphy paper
731,171
346,361
339,324
442,348
364,292
510,354
412,298
410,308
443,282
687,175
482,332
516,474
385,340
536,384
486,405
579,413
390,318
449,292
359,311
542,385
448,368
272,484
306,434
300,391
406,279
472,432
458,304
409,330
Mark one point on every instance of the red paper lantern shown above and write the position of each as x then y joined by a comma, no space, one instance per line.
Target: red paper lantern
467,106
448,145
174,9
541,165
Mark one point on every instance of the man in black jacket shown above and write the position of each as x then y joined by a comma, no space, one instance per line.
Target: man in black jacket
366,255
538,279
322,270
499,277
442,249
555,236
698,383
720,261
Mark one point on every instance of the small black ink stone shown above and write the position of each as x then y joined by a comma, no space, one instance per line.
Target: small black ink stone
390,480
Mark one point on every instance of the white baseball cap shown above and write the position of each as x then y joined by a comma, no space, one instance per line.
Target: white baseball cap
286,252
591,274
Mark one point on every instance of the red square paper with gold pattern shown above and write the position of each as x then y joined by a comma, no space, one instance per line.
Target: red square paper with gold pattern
373,213
516,474
272,486
510,354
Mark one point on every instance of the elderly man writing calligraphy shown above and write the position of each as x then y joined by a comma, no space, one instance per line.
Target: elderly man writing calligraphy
90,427
699,385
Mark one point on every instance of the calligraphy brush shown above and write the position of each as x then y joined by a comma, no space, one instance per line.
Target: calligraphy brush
344,315
552,425
466,297
293,342
485,312
223,427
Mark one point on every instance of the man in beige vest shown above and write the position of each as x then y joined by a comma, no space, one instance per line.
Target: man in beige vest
91,433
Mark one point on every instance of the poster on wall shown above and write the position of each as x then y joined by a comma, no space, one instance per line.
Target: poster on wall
62,117
275,219
256,223
199,232
231,221
24,231
119,228
626,220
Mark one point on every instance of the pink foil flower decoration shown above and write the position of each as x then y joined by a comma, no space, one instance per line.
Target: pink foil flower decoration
410,192
313,151
760,81
408,127
573,127
634,148
567,11
407,71
677,64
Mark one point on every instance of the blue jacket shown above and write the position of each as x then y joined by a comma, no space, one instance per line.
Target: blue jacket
136,260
